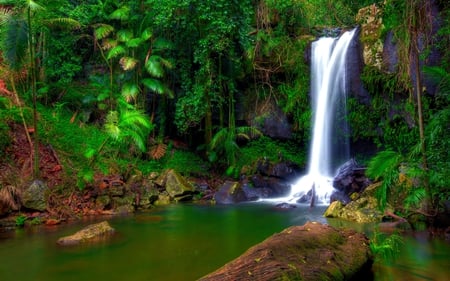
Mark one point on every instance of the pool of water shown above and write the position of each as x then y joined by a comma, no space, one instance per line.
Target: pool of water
181,242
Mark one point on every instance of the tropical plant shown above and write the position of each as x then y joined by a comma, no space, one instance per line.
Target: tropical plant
23,23
384,247
224,145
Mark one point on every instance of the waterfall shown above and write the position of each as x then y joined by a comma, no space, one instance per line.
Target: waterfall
329,144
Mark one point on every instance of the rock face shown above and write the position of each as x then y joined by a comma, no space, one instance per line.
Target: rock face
309,252
349,179
229,193
91,233
34,197
362,210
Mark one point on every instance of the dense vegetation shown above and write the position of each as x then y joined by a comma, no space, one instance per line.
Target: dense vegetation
116,85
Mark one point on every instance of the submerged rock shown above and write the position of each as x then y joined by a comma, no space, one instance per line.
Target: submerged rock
91,233
310,252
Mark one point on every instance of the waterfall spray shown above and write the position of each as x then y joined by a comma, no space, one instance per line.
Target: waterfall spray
329,145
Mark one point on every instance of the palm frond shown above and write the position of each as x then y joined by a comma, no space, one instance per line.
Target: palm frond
130,91
5,16
123,13
162,44
68,23
154,85
128,63
247,132
439,76
219,138
157,151
102,31
146,34
34,6
383,163
111,125
124,35
154,67
415,197
15,43
116,51
134,42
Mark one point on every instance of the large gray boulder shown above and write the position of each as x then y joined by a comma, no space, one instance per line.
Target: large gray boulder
35,196
313,251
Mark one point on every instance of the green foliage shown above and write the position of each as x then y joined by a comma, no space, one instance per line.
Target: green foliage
384,247
20,220
385,166
224,143
271,150
128,125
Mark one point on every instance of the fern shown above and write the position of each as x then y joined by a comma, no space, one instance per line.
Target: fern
123,13
384,166
124,35
128,63
384,248
157,151
102,31
154,85
116,51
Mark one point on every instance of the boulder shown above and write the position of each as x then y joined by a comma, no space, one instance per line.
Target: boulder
362,210
313,251
177,187
91,233
230,192
34,197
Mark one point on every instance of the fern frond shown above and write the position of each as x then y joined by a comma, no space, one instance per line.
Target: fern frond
146,34
116,51
102,31
383,163
134,42
157,151
130,91
218,138
154,66
124,35
154,85
63,23
123,13
128,63
415,197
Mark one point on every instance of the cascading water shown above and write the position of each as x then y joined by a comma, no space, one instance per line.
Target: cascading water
329,145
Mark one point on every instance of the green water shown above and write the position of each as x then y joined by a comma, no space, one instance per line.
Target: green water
177,242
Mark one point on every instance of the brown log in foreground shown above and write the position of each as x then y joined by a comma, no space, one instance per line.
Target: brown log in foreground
313,251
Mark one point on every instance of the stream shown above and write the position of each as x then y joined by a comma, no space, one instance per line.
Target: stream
185,242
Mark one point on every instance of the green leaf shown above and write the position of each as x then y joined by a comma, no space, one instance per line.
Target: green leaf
15,43
128,63
102,31
154,67
146,34
133,43
154,85
130,91
116,51
124,35
123,13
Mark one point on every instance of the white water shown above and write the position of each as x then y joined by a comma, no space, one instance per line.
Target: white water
328,93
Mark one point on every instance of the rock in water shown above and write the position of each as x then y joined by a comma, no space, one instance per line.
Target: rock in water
313,251
91,233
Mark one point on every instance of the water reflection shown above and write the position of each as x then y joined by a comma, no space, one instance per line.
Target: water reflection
185,242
